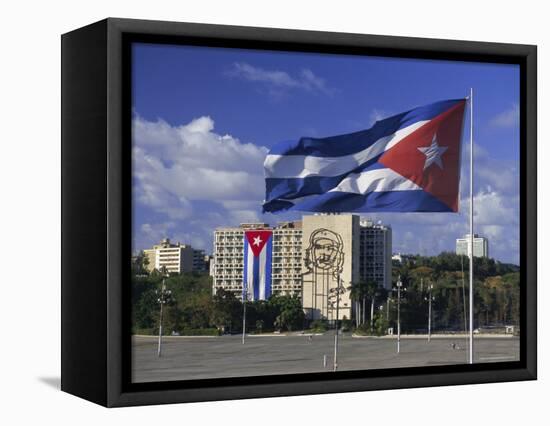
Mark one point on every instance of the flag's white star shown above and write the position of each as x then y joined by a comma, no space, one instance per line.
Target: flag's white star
433,153
257,241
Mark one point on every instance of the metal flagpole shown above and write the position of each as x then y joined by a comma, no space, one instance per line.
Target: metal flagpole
471,242
464,295
335,365
430,313
161,301
245,298
399,284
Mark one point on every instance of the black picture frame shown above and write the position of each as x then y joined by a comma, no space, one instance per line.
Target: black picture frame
96,207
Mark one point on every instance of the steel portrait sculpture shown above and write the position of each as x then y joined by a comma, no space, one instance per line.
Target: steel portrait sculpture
324,261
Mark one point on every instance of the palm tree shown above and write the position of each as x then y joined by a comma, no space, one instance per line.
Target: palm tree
371,291
359,295
355,296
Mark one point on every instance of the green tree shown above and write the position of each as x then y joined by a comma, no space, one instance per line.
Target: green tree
288,312
372,291
227,311
259,325
357,295
380,324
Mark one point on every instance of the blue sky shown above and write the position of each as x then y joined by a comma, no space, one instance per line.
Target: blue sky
204,118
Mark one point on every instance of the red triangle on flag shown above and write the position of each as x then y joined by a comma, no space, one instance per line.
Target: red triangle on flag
430,156
257,240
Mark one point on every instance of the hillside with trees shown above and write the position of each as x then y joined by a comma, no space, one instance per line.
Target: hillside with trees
193,309
496,291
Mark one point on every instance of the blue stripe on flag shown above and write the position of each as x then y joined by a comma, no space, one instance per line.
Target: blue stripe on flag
245,270
336,146
268,248
389,201
256,279
288,188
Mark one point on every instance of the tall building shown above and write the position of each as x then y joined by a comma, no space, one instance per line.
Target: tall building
286,269
481,246
330,248
199,261
309,258
176,258
375,253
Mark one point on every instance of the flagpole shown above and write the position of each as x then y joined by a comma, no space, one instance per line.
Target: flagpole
245,297
471,242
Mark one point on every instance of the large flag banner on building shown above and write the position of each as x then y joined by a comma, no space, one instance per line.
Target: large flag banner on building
409,162
257,264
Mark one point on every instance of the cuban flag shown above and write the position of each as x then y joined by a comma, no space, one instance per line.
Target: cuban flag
257,264
406,163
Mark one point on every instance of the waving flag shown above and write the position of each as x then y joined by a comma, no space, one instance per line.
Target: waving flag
406,163
257,265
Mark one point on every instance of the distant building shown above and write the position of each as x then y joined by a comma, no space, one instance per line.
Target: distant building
199,261
286,269
176,258
208,263
330,247
226,268
481,246
375,253
308,258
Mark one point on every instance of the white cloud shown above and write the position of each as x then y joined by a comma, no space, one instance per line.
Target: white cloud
505,179
174,165
489,173
496,217
278,81
492,208
176,168
507,118
148,234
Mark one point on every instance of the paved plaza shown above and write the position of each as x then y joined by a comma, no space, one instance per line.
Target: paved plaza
185,358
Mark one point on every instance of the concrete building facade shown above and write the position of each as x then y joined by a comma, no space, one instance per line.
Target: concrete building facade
330,248
226,266
176,258
309,259
375,253
199,261
481,246
286,269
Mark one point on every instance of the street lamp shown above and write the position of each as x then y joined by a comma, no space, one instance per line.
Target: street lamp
429,299
334,299
164,296
399,284
245,298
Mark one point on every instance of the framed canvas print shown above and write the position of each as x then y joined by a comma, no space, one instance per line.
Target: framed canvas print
254,212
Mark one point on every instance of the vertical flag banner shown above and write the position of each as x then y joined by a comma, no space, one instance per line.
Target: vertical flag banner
409,162
258,247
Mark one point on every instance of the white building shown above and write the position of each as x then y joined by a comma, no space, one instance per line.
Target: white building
481,246
306,255
286,269
226,267
176,258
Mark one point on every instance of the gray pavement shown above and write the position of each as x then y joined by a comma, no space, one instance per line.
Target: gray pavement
185,358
